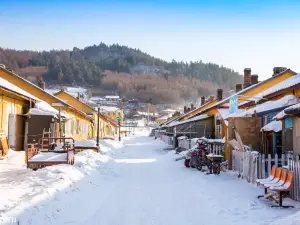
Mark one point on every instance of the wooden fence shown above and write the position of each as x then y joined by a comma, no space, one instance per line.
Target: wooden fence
252,166
167,139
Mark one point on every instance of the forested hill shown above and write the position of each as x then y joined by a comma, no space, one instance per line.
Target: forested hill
86,66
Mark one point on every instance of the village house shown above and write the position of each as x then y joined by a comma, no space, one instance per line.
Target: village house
15,103
77,123
219,109
107,127
293,123
113,113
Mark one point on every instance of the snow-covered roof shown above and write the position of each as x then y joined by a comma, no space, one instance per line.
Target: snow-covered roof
43,108
112,96
169,110
269,105
109,108
146,113
97,98
292,81
164,117
7,85
274,125
224,112
296,106
196,118
279,116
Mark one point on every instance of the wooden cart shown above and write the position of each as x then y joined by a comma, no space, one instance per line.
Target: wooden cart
215,163
36,158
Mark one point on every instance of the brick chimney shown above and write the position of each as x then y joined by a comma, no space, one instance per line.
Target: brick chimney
192,106
202,100
211,98
42,84
278,70
254,79
219,94
247,77
184,109
238,87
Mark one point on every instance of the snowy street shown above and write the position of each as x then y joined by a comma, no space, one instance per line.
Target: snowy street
141,184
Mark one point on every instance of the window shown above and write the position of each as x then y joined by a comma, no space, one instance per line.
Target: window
72,127
265,120
77,127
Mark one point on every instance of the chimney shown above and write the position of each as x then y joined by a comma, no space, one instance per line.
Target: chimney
238,87
219,94
202,100
189,109
211,98
254,79
278,70
42,84
192,106
184,109
247,77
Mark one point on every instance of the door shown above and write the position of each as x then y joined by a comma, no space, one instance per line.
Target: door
12,131
20,132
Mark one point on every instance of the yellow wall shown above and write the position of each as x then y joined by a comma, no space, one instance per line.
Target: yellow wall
115,115
30,88
10,104
77,127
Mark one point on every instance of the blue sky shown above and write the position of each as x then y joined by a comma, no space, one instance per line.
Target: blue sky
259,34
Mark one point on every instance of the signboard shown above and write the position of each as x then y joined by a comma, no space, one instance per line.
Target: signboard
233,104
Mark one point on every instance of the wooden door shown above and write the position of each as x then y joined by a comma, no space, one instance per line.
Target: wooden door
20,132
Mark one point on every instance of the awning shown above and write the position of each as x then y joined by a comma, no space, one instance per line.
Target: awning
196,118
293,110
275,126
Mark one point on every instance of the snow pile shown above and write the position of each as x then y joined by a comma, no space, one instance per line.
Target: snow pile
110,146
86,143
88,160
275,126
49,156
25,187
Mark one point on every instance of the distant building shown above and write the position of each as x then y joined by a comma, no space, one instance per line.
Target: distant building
112,99
113,112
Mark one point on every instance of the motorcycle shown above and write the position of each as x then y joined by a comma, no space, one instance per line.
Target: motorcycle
196,157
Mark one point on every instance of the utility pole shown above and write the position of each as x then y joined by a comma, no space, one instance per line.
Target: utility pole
119,122
98,125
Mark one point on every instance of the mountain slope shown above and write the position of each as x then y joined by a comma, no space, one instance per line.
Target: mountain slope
87,67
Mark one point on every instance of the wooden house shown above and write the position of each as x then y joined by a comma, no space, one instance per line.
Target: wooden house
293,113
107,126
15,103
78,123
219,108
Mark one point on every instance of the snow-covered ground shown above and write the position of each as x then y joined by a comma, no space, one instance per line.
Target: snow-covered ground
135,182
